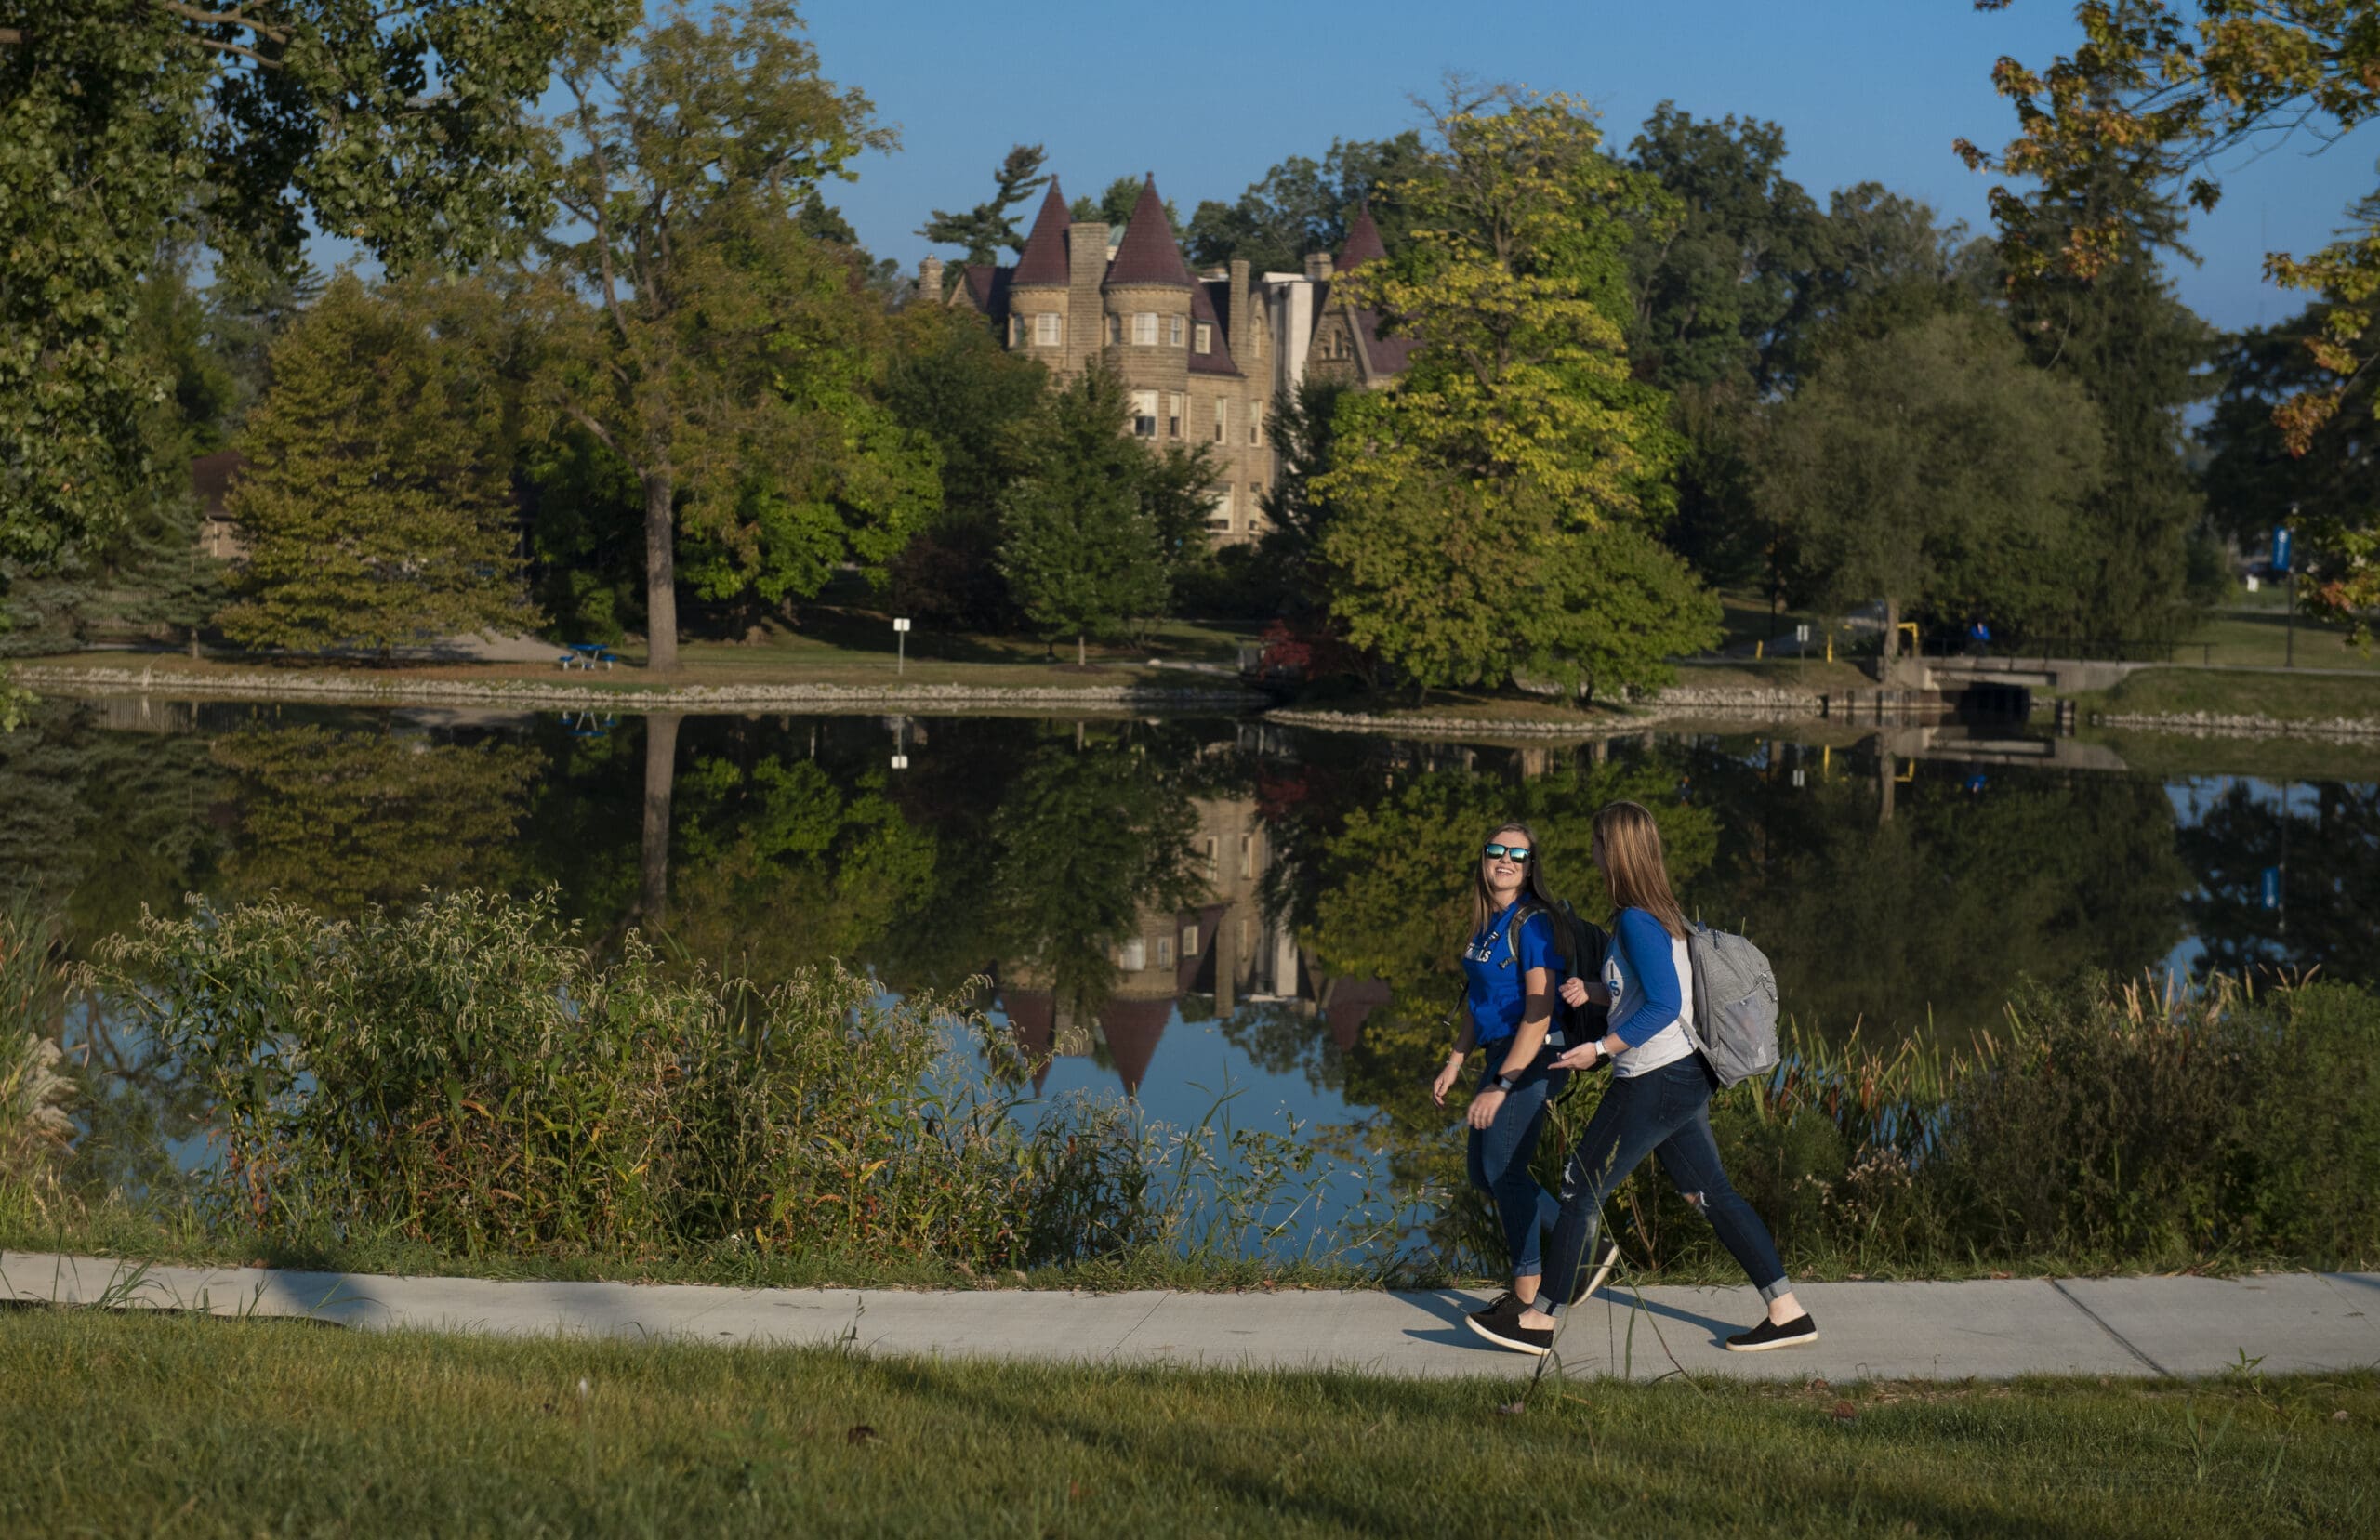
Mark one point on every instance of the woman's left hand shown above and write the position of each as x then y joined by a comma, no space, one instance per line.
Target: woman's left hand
1583,1057
1484,1108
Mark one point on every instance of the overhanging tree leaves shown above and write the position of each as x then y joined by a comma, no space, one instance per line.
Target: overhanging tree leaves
123,123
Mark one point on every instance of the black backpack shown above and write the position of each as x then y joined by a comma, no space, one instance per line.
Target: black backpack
1583,945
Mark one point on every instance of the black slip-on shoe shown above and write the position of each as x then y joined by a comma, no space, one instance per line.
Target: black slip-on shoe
1508,1333
1585,1285
1769,1335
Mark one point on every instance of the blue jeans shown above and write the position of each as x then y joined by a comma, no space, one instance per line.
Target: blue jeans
1499,1155
1665,1112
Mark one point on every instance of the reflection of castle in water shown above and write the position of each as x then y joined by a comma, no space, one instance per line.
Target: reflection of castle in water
1223,948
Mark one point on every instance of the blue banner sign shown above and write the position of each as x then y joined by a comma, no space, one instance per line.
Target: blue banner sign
2281,549
2272,888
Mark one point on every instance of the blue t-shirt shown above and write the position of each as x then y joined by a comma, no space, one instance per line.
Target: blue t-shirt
1499,979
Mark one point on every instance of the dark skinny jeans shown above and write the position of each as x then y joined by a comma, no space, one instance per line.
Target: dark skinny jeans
1498,1155
1665,1112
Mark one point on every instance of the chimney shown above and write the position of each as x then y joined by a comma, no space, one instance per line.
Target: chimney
1317,266
1086,304
1243,315
930,278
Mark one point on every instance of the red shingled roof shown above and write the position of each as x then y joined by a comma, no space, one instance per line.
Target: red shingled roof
1045,250
1387,355
1204,312
1133,1028
1149,254
987,286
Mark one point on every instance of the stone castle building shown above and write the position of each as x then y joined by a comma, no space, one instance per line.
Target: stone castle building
1202,358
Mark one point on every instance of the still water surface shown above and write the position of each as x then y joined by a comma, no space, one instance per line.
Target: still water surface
1172,909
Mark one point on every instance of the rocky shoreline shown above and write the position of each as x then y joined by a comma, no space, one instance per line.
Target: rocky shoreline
1671,705
2208,724
343,689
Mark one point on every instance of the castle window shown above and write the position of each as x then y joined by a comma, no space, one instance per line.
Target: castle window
1115,330
1223,421
1165,952
1133,956
1255,501
1145,329
1248,855
1218,518
1173,415
1015,331
1145,413
1174,324
1048,331
1206,337
1256,423
1189,940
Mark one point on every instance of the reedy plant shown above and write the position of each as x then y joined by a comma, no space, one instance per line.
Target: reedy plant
35,1126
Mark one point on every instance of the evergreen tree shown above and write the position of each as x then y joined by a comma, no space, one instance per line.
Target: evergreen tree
374,496
1077,548
988,228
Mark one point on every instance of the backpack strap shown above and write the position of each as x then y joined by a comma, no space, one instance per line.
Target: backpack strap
1524,911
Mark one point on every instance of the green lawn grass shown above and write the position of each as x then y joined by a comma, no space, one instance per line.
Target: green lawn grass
2256,635
2280,694
138,1424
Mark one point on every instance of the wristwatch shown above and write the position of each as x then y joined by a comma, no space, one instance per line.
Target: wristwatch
1502,1082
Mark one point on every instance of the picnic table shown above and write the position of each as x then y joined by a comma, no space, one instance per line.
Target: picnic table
586,654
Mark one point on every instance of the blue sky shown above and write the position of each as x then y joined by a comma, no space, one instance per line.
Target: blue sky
1209,95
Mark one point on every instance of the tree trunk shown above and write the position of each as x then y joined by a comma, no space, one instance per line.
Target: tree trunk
193,642
660,778
660,575
1080,661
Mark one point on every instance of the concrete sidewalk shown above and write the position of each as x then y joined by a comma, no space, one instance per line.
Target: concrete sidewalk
2295,1323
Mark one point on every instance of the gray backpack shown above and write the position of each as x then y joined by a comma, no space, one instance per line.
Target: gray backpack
1735,1003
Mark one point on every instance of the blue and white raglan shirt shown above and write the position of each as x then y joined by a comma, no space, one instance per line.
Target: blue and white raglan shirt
1652,990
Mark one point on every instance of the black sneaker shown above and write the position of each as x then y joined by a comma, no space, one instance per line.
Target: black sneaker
1506,1331
1503,1305
1769,1335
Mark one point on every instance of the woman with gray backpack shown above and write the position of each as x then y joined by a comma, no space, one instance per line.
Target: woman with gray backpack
1659,1096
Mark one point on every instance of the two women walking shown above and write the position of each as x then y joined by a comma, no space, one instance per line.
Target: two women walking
1657,1102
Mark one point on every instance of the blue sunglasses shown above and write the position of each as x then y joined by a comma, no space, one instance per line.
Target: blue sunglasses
1515,852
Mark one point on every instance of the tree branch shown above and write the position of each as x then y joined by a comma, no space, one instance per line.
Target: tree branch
233,17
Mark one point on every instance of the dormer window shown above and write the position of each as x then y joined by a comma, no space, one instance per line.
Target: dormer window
1206,337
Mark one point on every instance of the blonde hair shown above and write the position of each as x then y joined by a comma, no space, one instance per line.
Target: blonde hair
1633,873
1483,907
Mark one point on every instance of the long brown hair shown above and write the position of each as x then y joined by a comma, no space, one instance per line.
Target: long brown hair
1633,873
1483,907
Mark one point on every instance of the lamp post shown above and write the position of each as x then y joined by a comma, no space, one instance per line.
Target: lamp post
901,644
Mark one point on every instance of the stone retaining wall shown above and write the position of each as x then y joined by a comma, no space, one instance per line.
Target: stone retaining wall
2208,724
528,694
1668,705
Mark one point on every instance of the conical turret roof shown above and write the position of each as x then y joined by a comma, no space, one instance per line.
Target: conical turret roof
1045,250
1363,243
1149,254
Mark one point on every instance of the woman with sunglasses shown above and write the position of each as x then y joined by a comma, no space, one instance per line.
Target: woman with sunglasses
1510,969
1659,1100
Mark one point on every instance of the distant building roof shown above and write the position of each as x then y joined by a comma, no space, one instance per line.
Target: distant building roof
1044,260
987,288
1210,303
1148,254
1386,355
1133,1027
1363,242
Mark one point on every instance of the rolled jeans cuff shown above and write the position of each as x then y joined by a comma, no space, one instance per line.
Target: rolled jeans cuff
1771,1293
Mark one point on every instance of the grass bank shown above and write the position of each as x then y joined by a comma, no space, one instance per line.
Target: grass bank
2287,695
137,1424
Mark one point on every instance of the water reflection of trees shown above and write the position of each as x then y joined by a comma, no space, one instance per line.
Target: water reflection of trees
2321,841
338,819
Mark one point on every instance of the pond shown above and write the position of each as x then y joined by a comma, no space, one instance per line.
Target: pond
1173,910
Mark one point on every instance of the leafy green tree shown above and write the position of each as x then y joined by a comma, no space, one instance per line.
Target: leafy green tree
1302,205
1115,207
1077,547
1934,467
376,494
585,515
129,122
1299,428
989,228
695,331
1459,496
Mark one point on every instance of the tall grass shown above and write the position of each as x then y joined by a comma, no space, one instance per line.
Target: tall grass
460,1074
35,1126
